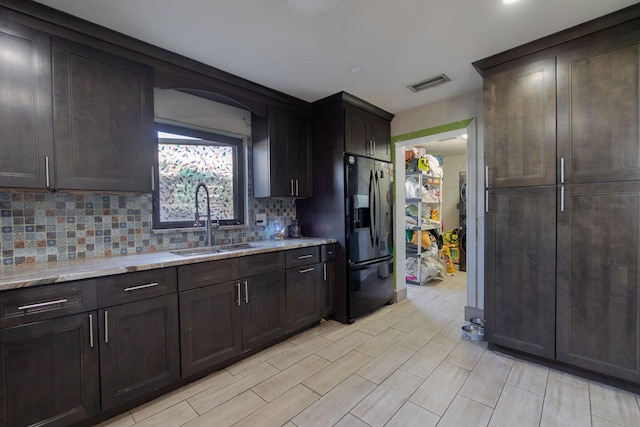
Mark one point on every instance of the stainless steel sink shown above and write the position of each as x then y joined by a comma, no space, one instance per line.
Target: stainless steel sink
234,247
207,250
196,251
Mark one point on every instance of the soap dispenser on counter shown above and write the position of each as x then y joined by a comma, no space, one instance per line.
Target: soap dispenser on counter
295,229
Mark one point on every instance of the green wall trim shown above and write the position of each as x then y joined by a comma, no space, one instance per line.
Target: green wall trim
431,131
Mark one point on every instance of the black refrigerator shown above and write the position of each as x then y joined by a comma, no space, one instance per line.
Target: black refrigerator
369,234
351,200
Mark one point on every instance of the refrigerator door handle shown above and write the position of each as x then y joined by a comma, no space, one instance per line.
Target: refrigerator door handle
372,204
378,211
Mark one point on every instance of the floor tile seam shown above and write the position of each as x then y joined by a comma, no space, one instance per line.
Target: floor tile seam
357,417
600,415
493,412
318,396
242,390
298,383
461,393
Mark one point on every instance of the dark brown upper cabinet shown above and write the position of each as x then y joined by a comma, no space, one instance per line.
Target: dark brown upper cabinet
599,106
26,127
282,154
103,115
367,134
520,124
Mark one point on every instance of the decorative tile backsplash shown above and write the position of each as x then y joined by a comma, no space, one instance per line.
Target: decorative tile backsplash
43,227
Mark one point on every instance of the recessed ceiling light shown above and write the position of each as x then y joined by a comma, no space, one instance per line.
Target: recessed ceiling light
355,70
509,1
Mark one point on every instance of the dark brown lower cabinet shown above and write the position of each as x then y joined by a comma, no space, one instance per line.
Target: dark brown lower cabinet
304,300
139,348
520,239
210,326
50,373
264,314
598,285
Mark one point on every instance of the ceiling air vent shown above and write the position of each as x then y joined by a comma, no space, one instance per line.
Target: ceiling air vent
430,82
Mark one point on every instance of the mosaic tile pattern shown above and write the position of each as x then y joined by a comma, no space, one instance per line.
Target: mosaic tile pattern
43,227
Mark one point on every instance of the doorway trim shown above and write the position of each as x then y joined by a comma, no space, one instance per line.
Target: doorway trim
475,270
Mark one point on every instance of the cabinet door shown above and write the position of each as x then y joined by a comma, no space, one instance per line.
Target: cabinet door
139,348
328,288
264,309
304,301
26,128
210,328
103,120
357,139
367,134
282,155
380,134
599,107
49,372
520,124
598,278
303,163
520,269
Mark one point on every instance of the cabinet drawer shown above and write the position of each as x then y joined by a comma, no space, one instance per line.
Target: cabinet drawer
254,265
46,302
123,288
303,256
207,273
328,252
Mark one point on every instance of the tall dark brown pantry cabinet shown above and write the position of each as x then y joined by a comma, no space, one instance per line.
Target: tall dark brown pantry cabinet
562,155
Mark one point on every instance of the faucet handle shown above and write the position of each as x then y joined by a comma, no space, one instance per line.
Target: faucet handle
197,221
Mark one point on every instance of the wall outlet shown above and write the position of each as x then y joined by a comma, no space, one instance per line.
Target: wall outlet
261,219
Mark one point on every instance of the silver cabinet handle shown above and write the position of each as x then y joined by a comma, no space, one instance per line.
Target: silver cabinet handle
42,304
486,200
374,146
135,288
46,171
292,193
562,170
324,271
106,327
91,330
238,293
246,292
297,188
486,177
306,270
562,198
305,256
153,178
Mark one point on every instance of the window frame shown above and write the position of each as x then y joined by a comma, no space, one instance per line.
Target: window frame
216,138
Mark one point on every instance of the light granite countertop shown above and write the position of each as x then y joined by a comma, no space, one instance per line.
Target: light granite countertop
21,276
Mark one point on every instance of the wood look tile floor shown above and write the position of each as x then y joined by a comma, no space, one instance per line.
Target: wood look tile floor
404,365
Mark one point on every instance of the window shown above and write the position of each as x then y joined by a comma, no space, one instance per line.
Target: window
188,157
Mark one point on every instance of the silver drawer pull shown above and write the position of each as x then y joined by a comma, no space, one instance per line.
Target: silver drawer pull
42,304
324,271
246,292
306,270
135,288
305,256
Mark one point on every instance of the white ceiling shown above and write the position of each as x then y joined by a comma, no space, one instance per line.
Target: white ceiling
305,48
